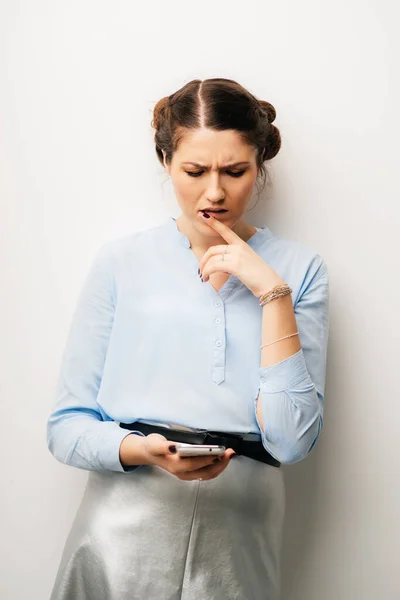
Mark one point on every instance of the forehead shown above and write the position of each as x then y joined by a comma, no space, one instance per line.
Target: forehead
207,146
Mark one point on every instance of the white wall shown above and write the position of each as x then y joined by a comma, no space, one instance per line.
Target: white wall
78,82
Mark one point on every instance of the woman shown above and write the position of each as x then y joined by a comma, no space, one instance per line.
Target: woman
209,324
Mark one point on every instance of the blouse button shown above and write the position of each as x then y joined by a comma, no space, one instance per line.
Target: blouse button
218,320
218,304
218,343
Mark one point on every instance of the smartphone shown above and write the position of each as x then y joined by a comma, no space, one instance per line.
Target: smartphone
200,450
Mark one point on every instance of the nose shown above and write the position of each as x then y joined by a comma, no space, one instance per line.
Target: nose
214,191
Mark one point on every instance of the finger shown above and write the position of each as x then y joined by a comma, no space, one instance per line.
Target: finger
214,251
221,466
217,460
224,231
217,265
205,474
191,464
229,453
157,444
209,472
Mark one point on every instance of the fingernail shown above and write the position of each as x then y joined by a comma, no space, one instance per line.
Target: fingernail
172,448
206,215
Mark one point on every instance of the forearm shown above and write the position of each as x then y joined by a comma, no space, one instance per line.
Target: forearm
278,320
85,442
288,406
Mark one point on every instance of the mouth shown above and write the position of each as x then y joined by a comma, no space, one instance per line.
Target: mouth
214,211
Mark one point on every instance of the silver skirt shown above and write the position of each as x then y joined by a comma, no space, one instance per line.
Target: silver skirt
147,535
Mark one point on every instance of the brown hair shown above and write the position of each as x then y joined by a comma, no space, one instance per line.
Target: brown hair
217,104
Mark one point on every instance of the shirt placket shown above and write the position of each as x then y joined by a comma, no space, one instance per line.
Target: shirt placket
219,351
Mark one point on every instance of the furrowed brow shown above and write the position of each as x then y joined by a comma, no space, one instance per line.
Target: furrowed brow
200,166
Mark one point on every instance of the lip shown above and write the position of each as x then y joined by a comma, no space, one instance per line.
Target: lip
215,214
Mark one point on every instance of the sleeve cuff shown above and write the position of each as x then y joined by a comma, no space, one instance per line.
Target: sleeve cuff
284,374
109,455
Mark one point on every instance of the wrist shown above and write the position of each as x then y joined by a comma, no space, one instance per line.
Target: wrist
266,284
132,450
279,303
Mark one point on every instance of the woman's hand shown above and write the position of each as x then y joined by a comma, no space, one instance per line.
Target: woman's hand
158,451
239,260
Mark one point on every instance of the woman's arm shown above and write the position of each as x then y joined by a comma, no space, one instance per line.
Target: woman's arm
78,432
289,407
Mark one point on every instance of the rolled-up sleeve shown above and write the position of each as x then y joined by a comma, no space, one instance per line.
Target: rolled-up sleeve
79,433
292,391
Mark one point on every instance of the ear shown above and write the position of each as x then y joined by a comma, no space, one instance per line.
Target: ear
165,161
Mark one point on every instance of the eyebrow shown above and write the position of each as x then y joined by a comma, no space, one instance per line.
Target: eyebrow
237,164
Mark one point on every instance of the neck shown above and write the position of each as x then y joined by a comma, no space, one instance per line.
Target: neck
204,242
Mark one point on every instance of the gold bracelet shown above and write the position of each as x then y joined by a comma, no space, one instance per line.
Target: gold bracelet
276,292
276,289
282,338
276,295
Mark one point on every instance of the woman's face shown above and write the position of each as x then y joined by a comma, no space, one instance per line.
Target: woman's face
213,170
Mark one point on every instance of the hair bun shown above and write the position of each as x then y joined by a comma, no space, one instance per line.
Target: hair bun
160,112
268,110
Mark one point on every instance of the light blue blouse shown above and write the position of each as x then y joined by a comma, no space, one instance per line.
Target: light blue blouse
150,341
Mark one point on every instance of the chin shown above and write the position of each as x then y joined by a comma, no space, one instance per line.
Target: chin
205,229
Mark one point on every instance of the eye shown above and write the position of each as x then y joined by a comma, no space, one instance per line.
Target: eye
194,173
235,173
230,173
